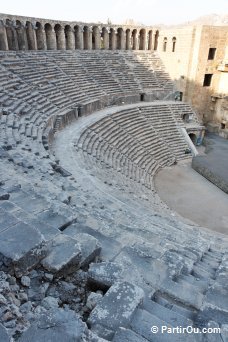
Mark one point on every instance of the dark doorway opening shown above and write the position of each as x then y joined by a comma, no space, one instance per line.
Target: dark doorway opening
193,138
207,80
142,97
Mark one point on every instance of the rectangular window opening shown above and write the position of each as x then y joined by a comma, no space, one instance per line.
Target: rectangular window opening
211,53
207,80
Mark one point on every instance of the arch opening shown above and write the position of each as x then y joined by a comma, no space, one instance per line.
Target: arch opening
164,44
193,138
174,44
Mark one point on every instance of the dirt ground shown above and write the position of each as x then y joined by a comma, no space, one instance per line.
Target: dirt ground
193,196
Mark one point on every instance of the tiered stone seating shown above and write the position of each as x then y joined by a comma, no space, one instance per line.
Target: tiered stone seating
100,183
153,62
72,67
121,71
183,109
146,138
164,123
100,73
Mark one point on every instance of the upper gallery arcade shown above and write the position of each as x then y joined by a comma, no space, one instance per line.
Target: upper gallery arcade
22,33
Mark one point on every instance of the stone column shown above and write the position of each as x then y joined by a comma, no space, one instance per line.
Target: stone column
137,40
123,41
128,40
3,37
79,38
97,39
145,45
113,39
70,39
31,36
106,39
21,37
90,43
41,38
153,40
44,39
61,40
134,40
34,36
51,40
13,43
150,40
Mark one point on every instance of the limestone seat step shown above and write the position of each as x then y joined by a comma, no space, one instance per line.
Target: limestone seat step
55,220
185,294
21,246
116,309
173,305
171,317
143,322
202,285
202,272
63,255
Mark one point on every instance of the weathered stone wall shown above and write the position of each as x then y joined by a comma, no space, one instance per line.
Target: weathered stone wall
189,63
199,95
177,61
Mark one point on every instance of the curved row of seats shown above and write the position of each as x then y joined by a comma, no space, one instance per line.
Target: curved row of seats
137,141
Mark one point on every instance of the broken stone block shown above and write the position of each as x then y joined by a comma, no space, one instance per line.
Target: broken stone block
53,219
117,306
64,255
90,248
56,325
104,274
6,220
22,247
93,299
